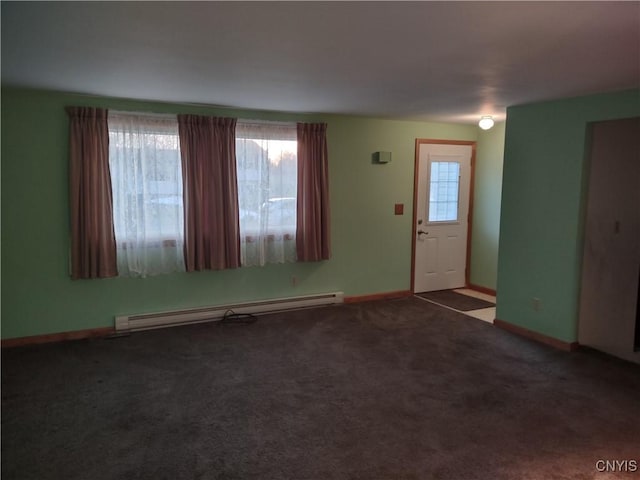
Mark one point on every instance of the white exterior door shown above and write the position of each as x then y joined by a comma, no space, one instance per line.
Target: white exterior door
442,215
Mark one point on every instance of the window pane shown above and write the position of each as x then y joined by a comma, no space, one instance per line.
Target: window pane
267,171
443,191
146,179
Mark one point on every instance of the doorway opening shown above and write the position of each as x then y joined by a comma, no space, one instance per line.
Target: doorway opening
610,280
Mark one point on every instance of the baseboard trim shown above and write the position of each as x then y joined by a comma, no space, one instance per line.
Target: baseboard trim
378,296
538,337
106,331
57,337
480,289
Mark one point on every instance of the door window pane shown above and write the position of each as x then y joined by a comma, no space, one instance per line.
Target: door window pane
444,186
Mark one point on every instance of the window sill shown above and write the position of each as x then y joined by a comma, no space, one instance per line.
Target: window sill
166,243
271,237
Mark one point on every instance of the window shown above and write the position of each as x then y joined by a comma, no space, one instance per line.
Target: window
444,182
146,179
266,159
129,198
147,186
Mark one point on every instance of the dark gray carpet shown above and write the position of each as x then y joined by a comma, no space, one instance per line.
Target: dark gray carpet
391,390
463,303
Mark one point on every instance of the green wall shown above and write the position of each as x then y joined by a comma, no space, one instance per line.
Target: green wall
371,246
486,206
542,213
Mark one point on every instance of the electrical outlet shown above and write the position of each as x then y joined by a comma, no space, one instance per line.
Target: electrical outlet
536,304
294,280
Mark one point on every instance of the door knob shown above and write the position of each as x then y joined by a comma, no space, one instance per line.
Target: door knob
422,232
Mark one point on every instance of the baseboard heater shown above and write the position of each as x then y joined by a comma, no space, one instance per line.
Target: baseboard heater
148,321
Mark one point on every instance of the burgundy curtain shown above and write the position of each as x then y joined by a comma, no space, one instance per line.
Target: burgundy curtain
211,217
93,243
313,236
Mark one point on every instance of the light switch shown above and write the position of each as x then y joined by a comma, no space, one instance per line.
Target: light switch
399,209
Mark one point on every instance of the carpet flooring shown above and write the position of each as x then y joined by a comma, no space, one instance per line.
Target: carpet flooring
386,390
457,301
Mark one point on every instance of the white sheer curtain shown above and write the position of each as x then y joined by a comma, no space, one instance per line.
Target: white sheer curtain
146,178
266,156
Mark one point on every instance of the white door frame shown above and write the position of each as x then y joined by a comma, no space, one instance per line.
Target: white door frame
416,178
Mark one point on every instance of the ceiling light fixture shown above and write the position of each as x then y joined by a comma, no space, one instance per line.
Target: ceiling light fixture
486,122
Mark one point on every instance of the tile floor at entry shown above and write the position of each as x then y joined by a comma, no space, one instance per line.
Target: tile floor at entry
484,314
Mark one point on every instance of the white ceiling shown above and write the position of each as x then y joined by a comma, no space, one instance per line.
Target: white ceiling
441,61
